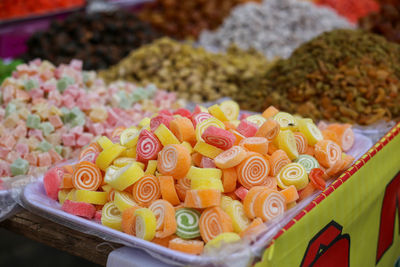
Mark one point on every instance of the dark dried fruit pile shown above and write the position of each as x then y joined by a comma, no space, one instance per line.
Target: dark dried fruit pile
342,75
182,19
99,39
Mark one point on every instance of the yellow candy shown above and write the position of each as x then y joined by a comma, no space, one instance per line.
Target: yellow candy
104,142
111,216
146,224
129,137
165,136
195,172
235,123
92,197
107,188
203,109
199,183
231,109
221,239
292,174
287,142
129,152
217,112
62,195
291,205
108,155
151,167
235,210
202,126
207,150
256,119
123,201
310,131
144,122
121,162
71,195
124,177
285,120
225,202
188,146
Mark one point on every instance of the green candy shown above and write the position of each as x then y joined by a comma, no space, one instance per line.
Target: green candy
33,121
308,162
58,149
187,221
125,102
47,128
64,82
44,146
10,109
31,84
19,167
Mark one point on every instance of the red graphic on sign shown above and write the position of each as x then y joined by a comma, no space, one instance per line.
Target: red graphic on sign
328,248
388,212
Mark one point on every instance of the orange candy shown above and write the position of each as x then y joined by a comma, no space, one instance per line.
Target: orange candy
290,194
146,190
231,157
168,191
270,112
269,204
278,159
327,153
187,246
182,185
271,183
183,129
269,129
229,178
301,142
255,227
174,160
249,200
202,198
253,170
196,159
87,176
165,217
255,144
344,135
214,221
128,220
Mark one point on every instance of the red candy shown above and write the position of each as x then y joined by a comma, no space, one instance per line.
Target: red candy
241,192
148,146
165,112
247,128
52,180
218,137
97,216
160,119
81,209
90,156
183,112
199,117
207,163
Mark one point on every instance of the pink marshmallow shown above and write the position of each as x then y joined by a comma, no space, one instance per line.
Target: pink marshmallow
68,101
44,159
36,133
96,129
112,117
68,139
84,139
20,131
36,93
55,157
31,158
77,130
5,169
56,121
22,149
7,141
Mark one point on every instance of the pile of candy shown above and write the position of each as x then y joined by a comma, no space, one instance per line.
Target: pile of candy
6,68
49,113
184,179
21,8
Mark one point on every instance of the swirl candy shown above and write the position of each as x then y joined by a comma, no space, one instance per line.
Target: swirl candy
202,126
183,129
278,159
292,174
195,172
327,153
121,178
287,142
220,240
89,156
301,142
271,183
167,188
199,183
207,150
229,178
129,137
256,119
247,128
108,155
308,162
87,176
310,131
52,181
129,220
92,197
270,112
111,216
269,204
231,157
202,198
256,144
214,221
217,112
187,221
285,120
123,201
160,119
269,129
344,135
145,224
165,136
290,194
93,148
151,167
148,146
250,198
253,170
186,246
218,137
200,117
182,185
235,210
231,109
146,190
174,160
165,217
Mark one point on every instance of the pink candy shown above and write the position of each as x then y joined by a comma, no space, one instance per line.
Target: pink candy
52,180
247,128
68,139
56,121
8,141
44,159
148,146
218,137
183,112
22,149
84,139
81,209
5,169
241,192
160,119
207,163
199,117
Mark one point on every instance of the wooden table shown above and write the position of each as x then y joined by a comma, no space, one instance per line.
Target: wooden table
58,236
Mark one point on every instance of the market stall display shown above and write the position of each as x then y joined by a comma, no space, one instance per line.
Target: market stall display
195,182
191,72
343,75
273,27
386,22
49,113
99,39
185,19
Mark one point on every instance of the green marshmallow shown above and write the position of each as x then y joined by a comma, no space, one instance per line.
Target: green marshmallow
47,128
31,84
64,82
10,109
33,121
151,89
19,167
58,149
44,146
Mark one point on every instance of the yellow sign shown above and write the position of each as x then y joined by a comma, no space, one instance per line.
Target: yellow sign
354,222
